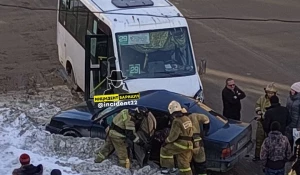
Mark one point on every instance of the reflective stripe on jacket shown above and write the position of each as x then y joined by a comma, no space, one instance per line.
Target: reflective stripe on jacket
124,121
197,120
181,126
262,103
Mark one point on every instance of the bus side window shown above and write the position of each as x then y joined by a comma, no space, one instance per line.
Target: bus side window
62,11
91,24
71,21
82,23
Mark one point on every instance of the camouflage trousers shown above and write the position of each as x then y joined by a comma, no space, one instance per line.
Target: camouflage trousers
111,144
183,156
199,159
260,137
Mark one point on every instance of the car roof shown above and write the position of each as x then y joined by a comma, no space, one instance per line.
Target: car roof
160,99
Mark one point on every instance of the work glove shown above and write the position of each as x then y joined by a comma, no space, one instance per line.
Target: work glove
259,112
257,118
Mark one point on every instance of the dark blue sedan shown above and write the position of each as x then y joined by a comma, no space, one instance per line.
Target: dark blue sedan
226,143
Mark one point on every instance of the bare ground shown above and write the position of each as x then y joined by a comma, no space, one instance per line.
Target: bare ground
28,52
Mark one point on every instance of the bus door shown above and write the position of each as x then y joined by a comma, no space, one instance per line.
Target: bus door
98,64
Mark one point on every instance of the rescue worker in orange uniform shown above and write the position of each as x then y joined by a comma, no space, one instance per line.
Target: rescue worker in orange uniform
199,158
122,127
261,106
178,143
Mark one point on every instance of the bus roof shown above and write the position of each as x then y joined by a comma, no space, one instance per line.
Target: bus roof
107,5
137,18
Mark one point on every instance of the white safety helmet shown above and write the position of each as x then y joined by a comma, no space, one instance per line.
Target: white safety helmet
174,106
271,88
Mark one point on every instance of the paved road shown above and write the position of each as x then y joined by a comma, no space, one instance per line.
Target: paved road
253,53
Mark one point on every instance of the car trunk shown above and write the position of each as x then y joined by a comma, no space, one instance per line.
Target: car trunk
230,139
241,140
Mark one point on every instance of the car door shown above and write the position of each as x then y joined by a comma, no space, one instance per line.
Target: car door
141,154
98,129
99,125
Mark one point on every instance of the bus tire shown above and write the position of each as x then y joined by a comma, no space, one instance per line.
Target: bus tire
74,86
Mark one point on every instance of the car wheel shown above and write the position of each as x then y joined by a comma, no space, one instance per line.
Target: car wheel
71,133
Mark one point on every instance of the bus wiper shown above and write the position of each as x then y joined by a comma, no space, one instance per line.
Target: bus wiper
170,73
131,78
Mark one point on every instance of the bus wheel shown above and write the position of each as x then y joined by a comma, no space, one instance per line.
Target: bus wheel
74,86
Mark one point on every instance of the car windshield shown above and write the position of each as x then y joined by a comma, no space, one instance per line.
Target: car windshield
105,111
156,53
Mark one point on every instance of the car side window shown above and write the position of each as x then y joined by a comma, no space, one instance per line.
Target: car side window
109,119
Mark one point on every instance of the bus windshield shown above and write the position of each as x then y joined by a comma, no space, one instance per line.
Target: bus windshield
155,54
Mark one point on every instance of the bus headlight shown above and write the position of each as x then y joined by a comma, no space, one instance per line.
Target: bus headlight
199,95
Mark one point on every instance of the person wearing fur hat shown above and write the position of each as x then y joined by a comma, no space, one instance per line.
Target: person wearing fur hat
27,168
293,105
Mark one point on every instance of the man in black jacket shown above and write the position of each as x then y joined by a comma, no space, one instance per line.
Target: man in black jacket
278,113
232,96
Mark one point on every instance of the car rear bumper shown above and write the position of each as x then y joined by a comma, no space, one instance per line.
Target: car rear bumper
52,130
227,164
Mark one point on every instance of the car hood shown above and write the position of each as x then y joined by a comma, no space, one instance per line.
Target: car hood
174,84
74,114
229,131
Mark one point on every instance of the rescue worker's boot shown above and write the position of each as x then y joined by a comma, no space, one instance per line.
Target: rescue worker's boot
125,163
199,168
105,151
99,158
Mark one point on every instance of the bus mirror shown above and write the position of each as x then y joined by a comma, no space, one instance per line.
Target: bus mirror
202,67
111,64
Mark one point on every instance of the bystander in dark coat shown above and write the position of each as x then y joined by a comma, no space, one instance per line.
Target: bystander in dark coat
278,113
231,97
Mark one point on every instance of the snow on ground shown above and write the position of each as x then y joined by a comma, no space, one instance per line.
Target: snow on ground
23,116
